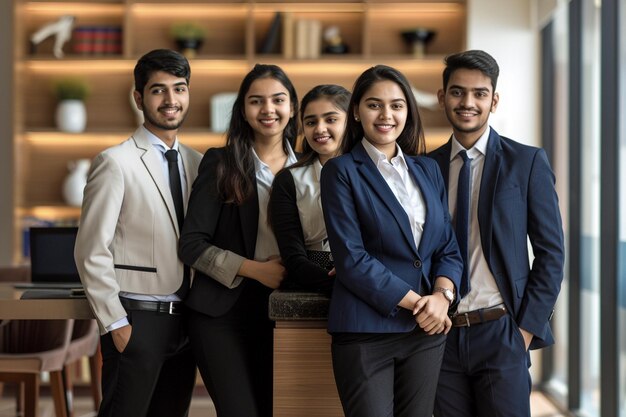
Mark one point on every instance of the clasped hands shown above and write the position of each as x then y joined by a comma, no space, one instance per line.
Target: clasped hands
431,314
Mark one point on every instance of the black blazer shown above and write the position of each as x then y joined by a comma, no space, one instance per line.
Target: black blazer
518,201
211,222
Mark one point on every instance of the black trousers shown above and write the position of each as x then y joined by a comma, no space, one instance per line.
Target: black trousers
387,375
234,353
155,375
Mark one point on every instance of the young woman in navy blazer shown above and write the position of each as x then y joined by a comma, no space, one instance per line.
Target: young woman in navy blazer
395,254
295,207
227,240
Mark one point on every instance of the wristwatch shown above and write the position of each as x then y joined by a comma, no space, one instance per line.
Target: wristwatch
449,294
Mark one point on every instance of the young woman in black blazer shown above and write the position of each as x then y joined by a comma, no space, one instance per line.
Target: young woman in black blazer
295,206
227,240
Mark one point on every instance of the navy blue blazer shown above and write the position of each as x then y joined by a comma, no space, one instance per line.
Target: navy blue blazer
370,238
518,201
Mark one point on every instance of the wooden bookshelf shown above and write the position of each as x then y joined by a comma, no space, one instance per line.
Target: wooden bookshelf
236,31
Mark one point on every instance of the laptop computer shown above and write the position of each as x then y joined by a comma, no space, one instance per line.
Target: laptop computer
52,259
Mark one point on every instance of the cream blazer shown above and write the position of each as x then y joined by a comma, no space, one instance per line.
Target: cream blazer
128,234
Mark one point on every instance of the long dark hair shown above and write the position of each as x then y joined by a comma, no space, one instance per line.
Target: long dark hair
411,139
236,170
337,95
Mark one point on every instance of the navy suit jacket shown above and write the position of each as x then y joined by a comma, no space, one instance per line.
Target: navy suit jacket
370,238
518,201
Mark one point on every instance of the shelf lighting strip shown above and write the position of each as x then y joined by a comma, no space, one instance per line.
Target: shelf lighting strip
186,10
108,65
76,9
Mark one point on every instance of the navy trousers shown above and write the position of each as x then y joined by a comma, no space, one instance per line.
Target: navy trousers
485,372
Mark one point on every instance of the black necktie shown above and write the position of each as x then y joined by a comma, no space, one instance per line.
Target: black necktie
177,196
463,218
175,186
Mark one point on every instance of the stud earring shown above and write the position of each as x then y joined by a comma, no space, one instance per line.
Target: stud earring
356,119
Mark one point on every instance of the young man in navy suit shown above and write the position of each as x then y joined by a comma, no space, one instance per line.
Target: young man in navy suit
505,304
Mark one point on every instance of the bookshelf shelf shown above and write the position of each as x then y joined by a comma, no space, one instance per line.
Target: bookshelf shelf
237,35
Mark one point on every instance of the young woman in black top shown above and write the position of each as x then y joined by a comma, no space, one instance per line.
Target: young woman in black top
227,240
295,206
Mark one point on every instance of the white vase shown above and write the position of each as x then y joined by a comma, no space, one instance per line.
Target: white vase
71,116
74,183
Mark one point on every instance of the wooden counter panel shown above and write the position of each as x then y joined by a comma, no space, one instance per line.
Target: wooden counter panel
304,385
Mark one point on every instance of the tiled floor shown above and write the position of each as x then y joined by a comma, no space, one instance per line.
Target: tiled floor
201,406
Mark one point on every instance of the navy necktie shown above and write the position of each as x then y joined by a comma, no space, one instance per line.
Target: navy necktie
177,195
463,218
175,186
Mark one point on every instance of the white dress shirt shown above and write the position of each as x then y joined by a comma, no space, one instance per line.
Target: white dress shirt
266,244
397,176
484,290
307,184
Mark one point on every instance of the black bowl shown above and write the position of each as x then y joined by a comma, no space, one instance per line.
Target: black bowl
418,35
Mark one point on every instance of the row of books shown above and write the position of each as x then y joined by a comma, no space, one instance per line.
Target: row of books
301,38
97,40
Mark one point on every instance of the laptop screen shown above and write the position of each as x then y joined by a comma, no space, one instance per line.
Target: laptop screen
52,254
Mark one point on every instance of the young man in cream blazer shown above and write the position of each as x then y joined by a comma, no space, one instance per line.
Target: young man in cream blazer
126,249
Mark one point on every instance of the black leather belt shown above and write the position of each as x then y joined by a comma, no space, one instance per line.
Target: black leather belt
167,307
477,316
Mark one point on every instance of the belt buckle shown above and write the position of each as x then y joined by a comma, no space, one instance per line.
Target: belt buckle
467,322
172,308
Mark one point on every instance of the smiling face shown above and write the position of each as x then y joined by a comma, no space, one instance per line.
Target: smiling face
383,112
323,125
267,108
467,102
164,103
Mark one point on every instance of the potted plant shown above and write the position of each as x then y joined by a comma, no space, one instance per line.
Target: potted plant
188,37
71,115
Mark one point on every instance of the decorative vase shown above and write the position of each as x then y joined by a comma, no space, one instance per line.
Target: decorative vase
74,183
189,47
417,39
221,110
71,116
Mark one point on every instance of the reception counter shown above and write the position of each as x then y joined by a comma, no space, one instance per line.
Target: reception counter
304,385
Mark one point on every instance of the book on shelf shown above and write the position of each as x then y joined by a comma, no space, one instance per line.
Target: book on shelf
270,43
97,40
287,38
314,40
308,38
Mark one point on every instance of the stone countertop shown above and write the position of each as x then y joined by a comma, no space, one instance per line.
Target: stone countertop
298,305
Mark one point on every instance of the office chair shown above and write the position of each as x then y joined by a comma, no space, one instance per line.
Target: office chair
84,343
28,348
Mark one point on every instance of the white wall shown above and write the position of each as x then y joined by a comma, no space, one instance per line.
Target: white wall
506,29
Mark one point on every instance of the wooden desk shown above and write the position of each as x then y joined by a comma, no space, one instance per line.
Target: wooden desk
12,308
